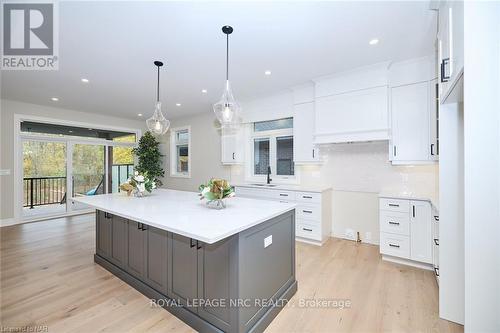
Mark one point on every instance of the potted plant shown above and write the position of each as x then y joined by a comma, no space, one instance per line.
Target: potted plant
215,191
149,158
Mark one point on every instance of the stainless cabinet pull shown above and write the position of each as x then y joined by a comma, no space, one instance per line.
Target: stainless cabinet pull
413,210
393,245
393,205
307,211
395,151
193,244
283,195
436,218
444,76
436,241
395,223
307,197
432,149
313,153
307,229
198,245
233,156
436,271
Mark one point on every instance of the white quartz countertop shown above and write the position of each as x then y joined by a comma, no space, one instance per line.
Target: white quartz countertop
185,214
299,188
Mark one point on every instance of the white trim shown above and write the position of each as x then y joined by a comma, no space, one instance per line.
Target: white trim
12,221
18,137
407,262
173,152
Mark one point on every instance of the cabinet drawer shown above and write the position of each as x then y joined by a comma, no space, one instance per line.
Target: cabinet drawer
308,212
395,245
395,222
308,197
394,205
307,230
283,195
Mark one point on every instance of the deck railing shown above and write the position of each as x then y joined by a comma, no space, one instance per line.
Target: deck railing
39,191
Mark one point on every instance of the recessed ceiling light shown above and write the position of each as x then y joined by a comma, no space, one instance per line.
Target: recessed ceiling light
85,80
139,115
177,104
267,72
70,131
55,99
204,91
373,41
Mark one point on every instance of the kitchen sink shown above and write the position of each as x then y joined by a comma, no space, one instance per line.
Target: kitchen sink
265,185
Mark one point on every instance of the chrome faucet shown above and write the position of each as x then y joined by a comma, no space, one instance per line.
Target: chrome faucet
269,175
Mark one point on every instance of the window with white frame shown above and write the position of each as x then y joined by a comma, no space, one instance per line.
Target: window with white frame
272,147
180,152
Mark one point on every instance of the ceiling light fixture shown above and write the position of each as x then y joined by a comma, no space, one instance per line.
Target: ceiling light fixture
373,41
85,80
227,109
178,104
267,72
158,124
139,115
204,91
55,99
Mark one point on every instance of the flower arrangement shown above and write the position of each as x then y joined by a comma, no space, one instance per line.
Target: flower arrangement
138,184
215,191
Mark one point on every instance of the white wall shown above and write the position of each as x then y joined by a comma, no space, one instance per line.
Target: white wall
7,110
482,166
205,152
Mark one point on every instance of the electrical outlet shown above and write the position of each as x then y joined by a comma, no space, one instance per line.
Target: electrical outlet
350,234
268,241
4,172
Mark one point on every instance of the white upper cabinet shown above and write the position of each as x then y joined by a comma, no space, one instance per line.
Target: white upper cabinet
410,122
450,45
414,112
352,106
232,145
304,150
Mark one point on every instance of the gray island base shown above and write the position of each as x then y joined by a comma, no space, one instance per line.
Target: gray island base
238,284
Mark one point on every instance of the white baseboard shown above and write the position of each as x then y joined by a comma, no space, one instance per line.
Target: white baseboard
12,221
7,222
370,241
408,262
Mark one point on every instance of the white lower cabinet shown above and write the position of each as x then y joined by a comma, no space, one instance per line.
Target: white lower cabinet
313,217
406,230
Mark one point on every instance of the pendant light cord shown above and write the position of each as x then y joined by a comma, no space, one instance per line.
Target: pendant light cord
227,57
158,86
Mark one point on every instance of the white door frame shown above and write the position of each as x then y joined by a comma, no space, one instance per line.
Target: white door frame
17,153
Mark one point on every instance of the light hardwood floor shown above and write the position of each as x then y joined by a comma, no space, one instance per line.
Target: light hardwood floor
48,278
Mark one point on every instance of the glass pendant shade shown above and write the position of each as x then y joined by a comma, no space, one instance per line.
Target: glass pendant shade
158,124
227,110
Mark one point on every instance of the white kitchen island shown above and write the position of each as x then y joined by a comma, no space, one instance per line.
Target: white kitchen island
228,270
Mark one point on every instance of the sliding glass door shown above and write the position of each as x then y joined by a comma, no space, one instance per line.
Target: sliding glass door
88,171
44,177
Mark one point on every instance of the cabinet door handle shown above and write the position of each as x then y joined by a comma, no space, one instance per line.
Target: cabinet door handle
436,218
313,153
144,227
394,245
432,149
283,195
307,211
393,205
307,197
392,222
192,243
138,226
436,241
436,271
107,215
444,77
394,148
233,156
198,245
307,229
413,210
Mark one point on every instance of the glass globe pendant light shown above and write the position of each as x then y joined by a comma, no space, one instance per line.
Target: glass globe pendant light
158,124
227,110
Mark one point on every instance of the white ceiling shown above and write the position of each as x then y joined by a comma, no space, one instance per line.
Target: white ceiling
113,44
